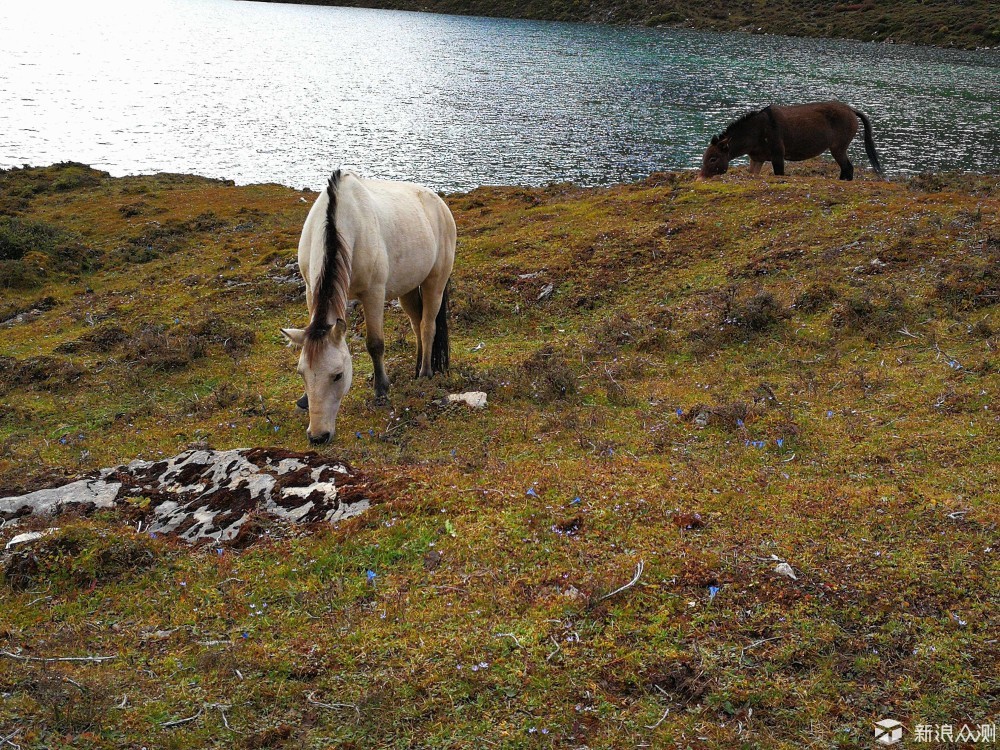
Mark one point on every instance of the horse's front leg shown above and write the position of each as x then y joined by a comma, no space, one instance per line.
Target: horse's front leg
374,306
755,167
778,161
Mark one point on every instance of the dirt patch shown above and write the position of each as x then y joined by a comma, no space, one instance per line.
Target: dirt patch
739,317
77,558
547,376
874,315
43,373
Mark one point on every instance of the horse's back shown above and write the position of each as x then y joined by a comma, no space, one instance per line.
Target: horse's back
810,129
401,230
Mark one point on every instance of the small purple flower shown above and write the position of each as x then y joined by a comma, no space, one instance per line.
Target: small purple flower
371,576
780,442
680,412
531,492
712,591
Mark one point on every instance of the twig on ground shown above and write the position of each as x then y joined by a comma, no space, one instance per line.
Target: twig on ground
178,722
311,699
759,643
50,659
7,740
509,635
630,584
222,710
558,648
654,726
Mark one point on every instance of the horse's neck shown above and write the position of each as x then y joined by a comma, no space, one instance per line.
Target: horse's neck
746,135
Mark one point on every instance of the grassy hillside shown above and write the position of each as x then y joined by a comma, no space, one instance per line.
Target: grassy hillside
969,24
699,378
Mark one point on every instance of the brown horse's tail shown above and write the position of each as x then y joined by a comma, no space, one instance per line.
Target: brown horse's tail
870,144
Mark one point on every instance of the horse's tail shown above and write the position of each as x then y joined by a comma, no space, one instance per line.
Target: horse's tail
870,143
440,348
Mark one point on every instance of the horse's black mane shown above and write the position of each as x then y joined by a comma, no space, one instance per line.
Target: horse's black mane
330,295
743,119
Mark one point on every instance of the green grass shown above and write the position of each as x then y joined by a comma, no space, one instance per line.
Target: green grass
692,327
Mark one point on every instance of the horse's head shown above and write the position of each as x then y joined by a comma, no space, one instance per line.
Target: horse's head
716,158
325,366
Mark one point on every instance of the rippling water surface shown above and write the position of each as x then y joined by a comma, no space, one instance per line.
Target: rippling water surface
260,92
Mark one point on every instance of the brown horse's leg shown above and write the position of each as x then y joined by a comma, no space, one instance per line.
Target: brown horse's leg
841,157
755,167
413,307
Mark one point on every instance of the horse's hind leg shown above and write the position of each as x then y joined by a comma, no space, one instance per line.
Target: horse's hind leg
412,306
431,293
374,305
841,157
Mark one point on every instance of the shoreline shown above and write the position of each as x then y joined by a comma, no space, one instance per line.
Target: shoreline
832,21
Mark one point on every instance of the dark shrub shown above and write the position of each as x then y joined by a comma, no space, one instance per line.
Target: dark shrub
814,298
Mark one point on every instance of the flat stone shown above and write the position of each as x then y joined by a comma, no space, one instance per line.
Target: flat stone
204,495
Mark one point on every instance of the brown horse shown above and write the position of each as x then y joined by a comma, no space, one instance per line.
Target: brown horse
777,134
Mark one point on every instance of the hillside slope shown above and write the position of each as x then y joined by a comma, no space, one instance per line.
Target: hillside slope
701,379
969,24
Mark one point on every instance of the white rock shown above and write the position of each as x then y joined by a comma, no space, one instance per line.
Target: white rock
28,536
96,492
475,399
785,569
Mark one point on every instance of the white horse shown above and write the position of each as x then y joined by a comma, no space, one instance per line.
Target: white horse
370,240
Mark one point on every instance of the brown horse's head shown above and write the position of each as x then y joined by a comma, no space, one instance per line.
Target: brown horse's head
716,158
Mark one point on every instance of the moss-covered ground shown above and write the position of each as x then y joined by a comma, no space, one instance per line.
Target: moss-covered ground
697,380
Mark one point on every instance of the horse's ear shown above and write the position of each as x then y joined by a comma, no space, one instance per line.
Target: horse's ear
723,144
338,330
715,140
295,336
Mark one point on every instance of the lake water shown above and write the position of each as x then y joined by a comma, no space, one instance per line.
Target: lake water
260,92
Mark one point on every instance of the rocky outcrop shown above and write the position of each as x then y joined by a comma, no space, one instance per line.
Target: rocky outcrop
205,495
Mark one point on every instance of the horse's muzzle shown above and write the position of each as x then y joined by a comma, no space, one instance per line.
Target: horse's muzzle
322,439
